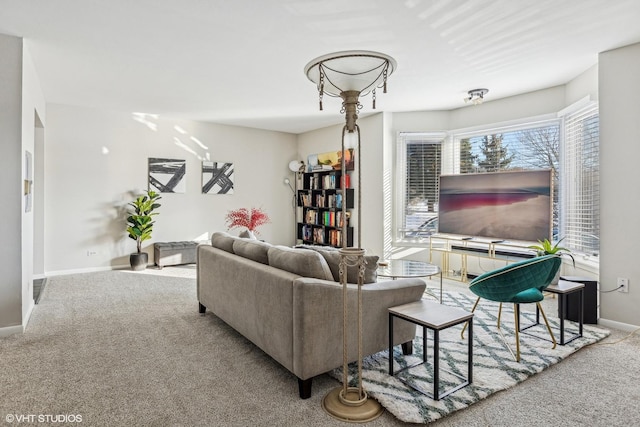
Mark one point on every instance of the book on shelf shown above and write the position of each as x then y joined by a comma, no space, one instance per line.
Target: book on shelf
329,218
311,217
329,182
346,181
315,182
305,199
317,168
335,237
307,232
318,235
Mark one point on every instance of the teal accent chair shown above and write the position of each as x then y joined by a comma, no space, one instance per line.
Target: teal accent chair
518,283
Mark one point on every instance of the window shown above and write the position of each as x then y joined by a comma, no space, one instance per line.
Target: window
525,148
568,147
580,181
420,160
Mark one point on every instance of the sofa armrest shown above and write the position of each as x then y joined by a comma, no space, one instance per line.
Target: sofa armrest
318,320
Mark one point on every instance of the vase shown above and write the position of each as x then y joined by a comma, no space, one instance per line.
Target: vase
138,261
248,234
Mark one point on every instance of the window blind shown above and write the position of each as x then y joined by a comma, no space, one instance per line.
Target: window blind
580,181
420,165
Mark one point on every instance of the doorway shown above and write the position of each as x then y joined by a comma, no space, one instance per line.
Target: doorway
39,279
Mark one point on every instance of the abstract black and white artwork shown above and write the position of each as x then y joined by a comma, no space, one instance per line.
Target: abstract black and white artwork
217,178
167,175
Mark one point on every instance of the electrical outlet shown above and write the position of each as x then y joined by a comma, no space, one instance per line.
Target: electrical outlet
623,284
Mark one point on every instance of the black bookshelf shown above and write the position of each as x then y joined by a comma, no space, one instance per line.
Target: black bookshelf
320,215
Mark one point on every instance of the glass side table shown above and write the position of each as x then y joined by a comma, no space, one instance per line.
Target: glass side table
404,268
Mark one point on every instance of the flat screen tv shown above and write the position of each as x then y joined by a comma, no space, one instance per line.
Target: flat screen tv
502,205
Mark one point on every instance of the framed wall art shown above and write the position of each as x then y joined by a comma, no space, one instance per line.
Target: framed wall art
217,177
167,175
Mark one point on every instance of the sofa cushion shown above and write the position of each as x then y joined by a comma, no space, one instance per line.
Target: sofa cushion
222,240
252,249
332,256
299,261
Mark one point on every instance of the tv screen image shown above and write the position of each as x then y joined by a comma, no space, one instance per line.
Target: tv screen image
501,205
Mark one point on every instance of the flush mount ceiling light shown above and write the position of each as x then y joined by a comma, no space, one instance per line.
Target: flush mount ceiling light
476,96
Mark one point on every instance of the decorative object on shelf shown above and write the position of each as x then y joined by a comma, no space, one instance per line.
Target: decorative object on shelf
140,226
167,175
350,75
250,219
331,160
217,178
476,96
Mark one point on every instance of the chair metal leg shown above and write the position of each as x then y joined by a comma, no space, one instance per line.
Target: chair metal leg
516,313
546,322
516,355
467,323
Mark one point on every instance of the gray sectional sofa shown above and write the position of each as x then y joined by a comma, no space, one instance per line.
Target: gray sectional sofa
288,303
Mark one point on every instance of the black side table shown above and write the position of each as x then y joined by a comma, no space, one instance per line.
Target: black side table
437,317
590,304
563,289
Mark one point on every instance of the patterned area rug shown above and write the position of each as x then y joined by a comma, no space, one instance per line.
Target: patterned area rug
494,368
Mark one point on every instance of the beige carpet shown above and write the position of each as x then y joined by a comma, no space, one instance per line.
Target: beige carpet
129,349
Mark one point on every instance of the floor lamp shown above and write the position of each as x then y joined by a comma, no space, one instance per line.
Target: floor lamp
297,167
350,75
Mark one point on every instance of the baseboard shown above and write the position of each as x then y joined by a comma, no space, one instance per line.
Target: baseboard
11,330
617,325
25,319
85,270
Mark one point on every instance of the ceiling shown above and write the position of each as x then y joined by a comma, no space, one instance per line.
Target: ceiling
241,62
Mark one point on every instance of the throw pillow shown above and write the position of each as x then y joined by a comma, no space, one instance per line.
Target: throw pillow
222,240
252,249
332,256
299,261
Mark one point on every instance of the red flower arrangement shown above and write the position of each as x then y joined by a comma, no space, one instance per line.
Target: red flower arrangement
249,218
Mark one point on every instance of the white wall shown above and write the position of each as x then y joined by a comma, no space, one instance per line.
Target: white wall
20,97
96,160
586,84
11,160
619,177
32,104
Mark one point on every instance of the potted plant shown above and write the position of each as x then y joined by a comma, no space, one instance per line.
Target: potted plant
250,219
140,225
545,247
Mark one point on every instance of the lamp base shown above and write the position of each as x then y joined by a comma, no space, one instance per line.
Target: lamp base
351,408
